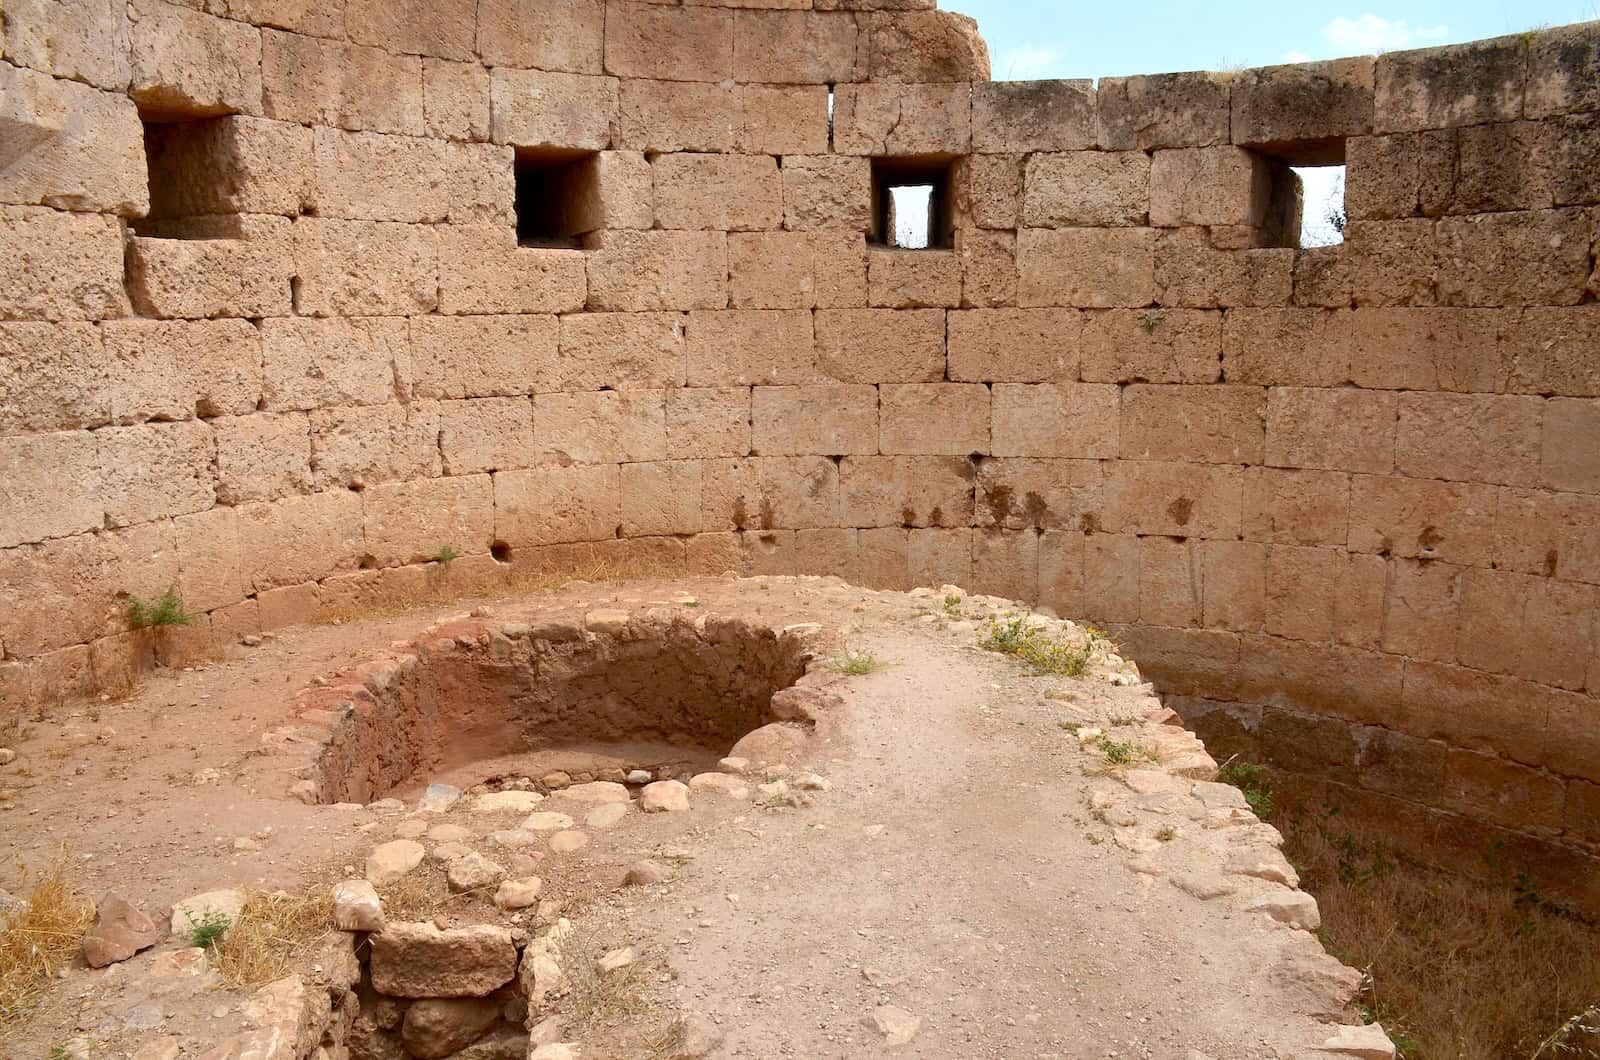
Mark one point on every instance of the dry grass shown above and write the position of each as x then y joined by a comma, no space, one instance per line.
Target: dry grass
1458,968
39,937
270,932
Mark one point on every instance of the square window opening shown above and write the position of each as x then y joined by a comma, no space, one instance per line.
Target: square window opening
557,196
1298,197
192,170
1322,215
911,204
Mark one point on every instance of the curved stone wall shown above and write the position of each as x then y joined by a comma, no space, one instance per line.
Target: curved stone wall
267,334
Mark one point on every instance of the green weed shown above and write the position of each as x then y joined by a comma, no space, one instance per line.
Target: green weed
164,610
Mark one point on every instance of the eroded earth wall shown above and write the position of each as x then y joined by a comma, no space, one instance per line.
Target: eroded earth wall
268,335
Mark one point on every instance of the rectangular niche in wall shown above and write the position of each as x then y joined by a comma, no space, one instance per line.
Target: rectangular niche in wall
911,204
192,170
1304,195
557,198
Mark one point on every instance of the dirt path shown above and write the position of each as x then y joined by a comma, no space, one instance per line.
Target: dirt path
977,863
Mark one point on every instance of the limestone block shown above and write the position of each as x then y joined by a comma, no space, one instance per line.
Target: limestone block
798,48
638,271
1211,424
905,490
1086,267
1534,258
1088,188
187,62
1055,419
925,46
907,279
486,434
1531,627
1148,112
1403,516
357,267
1014,345
678,116
819,552
483,356
56,377
358,446
782,119
939,557
708,421
894,119
1561,63
262,457
1462,84
873,5
442,28
661,497
822,419
769,492
35,506
1303,103
1005,563
1392,262
69,146
548,505
455,99
420,960
310,363
1550,354
1296,507
1169,582
1020,493
1156,346
533,108
827,191
620,194
380,177
1430,349
482,270
220,267
82,40
410,522
987,190
1400,175
671,43
155,470
1571,426
726,192
1322,277
299,539
60,266
1191,273
880,345
1332,429
1293,347
1173,499
1473,437
330,83
949,419
622,351
601,427
1029,116
227,165
750,346
564,35
1208,186
444,1026
210,569
988,268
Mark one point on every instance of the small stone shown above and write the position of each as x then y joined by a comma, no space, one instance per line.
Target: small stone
640,776
356,906
449,833
615,959
445,853
195,909
606,621
776,791
606,815
664,796
507,802
301,791
387,806
1368,1042
410,829
119,931
1295,908
597,791
721,783
246,845
896,1025
811,782
644,873
556,780
734,765
1263,864
518,894
7,756
515,838
568,841
698,1037
472,872
392,860
438,798
546,821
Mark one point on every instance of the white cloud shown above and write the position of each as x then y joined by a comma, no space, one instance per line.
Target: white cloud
1026,61
1369,34
1296,57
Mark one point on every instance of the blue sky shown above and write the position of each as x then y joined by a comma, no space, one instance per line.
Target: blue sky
1068,38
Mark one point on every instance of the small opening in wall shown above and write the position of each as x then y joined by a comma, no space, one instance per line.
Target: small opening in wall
911,204
557,198
1322,213
1298,197
500,551
190,177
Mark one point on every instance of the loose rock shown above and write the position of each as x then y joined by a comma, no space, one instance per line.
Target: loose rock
664,796
437,1027
356,906
119,931
546,821
1295,908
568,841
472,872
392,860
438,798
506,801
721,783
615,959
518,894
606,815
420,960
896,1025
194,910
643,873
597,791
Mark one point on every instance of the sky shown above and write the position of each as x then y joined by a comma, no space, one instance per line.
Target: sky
1064,38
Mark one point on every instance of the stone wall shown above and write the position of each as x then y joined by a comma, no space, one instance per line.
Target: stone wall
267,334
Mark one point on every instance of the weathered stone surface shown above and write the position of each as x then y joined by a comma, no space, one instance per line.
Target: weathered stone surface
120,930
69,146
438,1027
392,860
664,796
420,960
356,906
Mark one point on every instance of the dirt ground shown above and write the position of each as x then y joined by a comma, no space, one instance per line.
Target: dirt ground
975,862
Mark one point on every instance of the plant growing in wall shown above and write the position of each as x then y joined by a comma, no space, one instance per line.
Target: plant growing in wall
446,555
157,613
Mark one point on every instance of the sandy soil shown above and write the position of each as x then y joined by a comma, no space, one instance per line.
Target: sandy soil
973,864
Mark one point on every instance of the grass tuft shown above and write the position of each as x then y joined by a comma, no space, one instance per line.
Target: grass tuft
855,662
39,937
1252,780
164,610
446,555
208,929
1045,655
271,930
